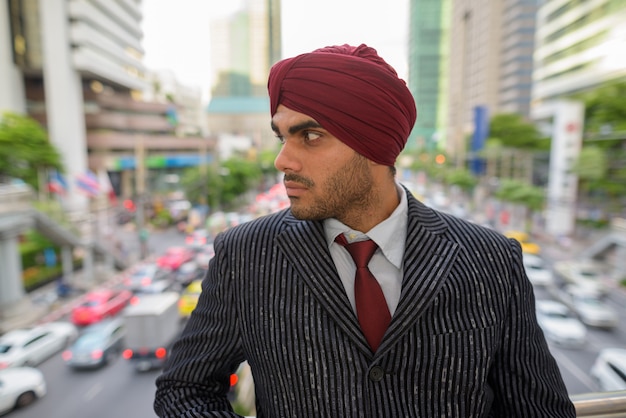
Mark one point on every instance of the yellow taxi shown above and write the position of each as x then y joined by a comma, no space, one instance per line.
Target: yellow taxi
528,246
189,298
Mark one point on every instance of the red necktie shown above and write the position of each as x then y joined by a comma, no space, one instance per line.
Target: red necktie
371,306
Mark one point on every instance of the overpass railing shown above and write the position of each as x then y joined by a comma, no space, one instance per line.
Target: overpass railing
600,404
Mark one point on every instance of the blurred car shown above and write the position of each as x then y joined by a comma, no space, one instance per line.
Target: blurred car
189,298
585,273
148,278
197,239
205,255
609,369
100,304
97,345
528,246
19,387
31,346
188,272
559,324
175,257
537,271
591,309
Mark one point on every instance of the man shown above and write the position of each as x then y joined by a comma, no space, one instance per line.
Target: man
459,335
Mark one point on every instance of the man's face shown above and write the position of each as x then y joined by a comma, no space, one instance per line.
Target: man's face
324,177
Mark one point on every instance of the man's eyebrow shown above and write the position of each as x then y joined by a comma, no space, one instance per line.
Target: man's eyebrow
299,127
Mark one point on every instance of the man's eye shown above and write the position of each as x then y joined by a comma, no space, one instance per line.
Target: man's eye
311,136
281,139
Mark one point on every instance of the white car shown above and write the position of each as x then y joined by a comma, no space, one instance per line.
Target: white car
585,273
559,324
537,271
31,346
590,308
609,369
19,387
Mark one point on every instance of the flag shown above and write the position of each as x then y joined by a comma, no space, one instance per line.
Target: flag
88,184
57,183
171,115
106,187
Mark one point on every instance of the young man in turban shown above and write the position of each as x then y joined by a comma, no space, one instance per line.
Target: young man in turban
445,326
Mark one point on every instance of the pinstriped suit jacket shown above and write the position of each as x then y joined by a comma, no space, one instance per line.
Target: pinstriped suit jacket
463,341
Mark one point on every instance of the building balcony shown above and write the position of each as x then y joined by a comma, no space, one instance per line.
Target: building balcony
124,102
128,122
129,141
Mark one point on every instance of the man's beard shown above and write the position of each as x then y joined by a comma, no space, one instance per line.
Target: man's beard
347,189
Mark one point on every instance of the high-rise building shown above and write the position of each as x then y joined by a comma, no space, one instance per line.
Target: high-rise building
580,45
475,56
429,65
76,67
59,48
517,49
244,47
468,55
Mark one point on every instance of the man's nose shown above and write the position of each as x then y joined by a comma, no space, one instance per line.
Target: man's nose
286,159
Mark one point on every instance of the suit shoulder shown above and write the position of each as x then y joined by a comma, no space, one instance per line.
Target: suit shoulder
468,232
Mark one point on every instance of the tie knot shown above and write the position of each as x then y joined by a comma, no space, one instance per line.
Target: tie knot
361,251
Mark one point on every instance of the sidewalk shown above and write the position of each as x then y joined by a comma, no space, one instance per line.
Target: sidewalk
45,305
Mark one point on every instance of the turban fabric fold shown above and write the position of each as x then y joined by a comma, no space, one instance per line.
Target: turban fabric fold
353,93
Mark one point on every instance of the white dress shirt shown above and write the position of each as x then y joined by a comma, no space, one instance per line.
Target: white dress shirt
386,263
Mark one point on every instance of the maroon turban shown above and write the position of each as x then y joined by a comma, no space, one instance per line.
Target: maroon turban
353,93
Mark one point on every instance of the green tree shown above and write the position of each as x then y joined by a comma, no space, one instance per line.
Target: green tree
601,166
224,186
605,109
591,165
240,176
461,178
25,150
512,131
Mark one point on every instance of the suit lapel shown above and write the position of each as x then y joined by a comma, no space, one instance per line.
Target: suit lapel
304,246
428,258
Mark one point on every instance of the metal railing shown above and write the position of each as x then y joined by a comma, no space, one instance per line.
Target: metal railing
600,404
594,405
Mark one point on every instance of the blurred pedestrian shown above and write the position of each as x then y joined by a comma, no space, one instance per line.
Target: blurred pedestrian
440,322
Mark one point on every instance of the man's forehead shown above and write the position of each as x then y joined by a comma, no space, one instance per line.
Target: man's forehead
292,121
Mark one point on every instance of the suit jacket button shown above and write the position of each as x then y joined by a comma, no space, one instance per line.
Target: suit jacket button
376,374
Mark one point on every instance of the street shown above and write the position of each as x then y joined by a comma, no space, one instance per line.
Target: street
116,390
576,363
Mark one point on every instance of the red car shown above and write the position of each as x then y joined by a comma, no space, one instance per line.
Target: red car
174,257
100,304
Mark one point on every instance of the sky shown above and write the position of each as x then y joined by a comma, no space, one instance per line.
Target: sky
177,35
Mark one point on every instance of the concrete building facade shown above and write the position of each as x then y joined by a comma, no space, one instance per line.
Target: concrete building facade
58,45
429,55
466,55
475,54
580,45
76,67
517,49
244,47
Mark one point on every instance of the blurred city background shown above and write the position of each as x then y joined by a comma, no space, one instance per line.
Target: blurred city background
133,131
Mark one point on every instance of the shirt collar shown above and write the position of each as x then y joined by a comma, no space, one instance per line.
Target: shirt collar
389,235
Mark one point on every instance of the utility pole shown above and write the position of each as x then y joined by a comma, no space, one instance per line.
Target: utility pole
140,187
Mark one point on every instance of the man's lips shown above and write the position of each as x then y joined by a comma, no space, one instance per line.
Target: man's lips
294,189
